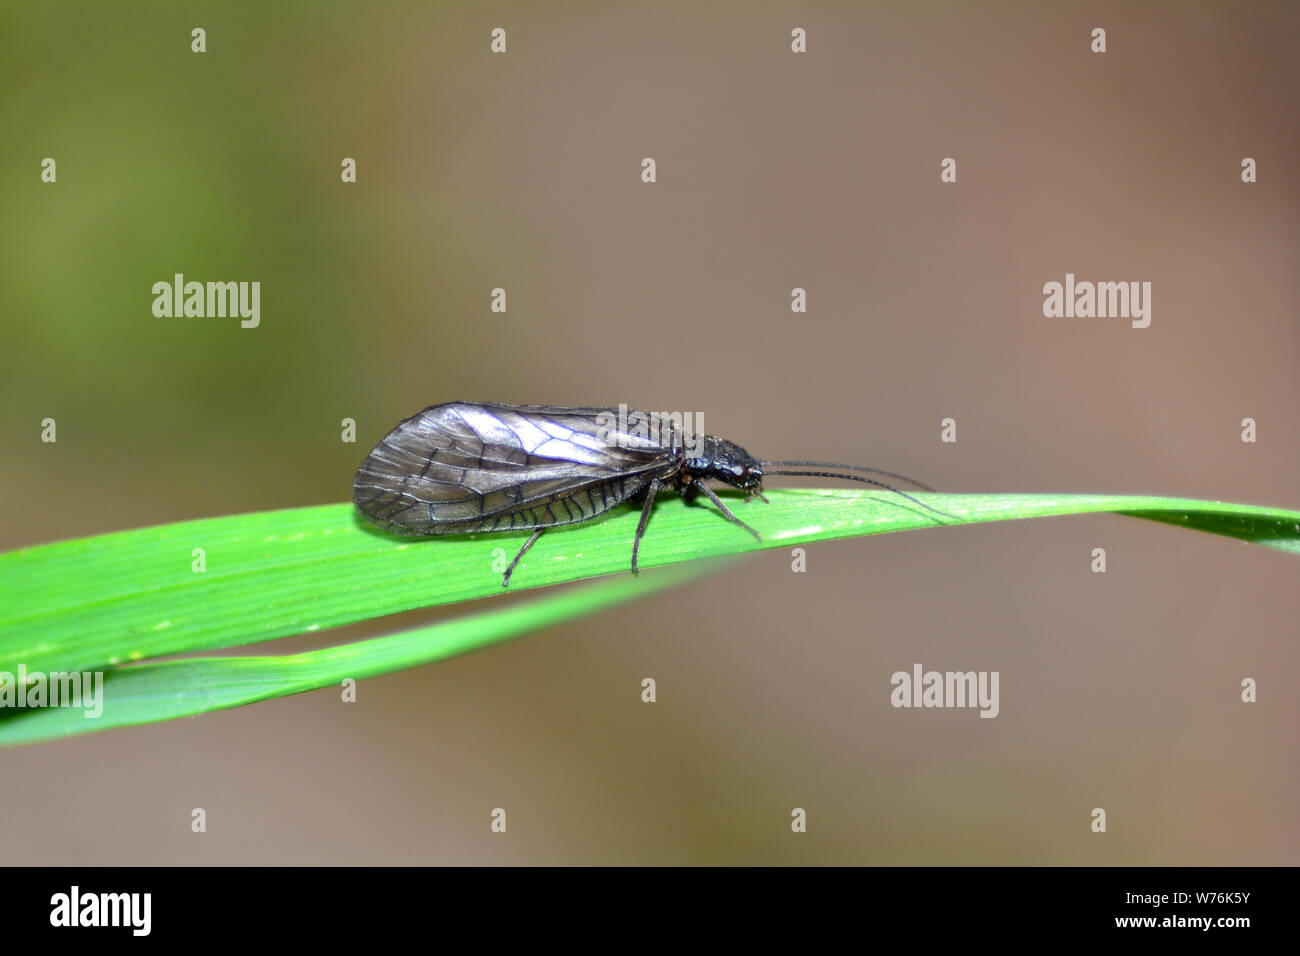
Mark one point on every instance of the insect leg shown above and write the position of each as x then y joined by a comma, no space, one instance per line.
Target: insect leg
651,490
726,512
505,581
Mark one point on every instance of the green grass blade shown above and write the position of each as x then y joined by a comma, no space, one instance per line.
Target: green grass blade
94,602
146,693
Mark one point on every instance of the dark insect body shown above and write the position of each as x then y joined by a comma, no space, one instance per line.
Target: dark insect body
467,467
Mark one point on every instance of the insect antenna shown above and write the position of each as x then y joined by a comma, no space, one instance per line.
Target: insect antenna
869,481
835,464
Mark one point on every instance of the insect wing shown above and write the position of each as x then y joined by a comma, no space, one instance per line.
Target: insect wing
483,467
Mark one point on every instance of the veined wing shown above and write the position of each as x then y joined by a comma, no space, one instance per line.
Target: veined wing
484,467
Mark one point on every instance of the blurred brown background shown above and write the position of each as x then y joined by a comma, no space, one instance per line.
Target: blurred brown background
775,170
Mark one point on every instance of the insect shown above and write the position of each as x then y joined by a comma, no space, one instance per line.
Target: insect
469,467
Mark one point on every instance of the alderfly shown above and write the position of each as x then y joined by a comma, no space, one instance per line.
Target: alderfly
467,467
